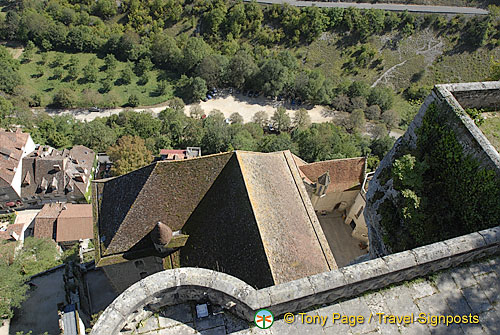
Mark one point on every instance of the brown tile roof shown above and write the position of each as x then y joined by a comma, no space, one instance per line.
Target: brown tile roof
74,223
344,173
11,151
204,193
46,219
12,228
165,191
293,239
48,171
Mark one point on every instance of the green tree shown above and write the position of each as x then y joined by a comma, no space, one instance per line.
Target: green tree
242,67
5,112
391,118
58,73
261,118
143,66
165,53
13,291
191,89
212,19
273,77
105,8
28,52
373,112
236,118
357,120
281,120
133,100
64,98
381,146
9,75
90,73
195,50
128,154
242,139
95,135
212,69
272,143
359,89
110,61
216,133
301,119
107,85
163,88
37,255
382,97
126,74
73,68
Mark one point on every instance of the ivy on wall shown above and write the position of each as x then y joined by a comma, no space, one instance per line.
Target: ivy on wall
443,192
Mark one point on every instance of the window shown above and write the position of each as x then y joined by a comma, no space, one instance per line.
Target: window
359,212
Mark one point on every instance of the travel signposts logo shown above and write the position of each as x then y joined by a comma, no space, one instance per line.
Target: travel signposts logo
264,319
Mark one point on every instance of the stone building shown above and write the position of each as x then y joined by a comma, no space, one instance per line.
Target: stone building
50,175
447,153
243,213
14,146
337,188
177,154
65,223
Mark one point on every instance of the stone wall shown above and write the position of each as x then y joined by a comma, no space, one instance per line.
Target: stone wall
452,98
176,286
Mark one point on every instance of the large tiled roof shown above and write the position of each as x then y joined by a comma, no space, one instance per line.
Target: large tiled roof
258,197
74,222
11,151
165,191
344,173
46,219
54,172
292,236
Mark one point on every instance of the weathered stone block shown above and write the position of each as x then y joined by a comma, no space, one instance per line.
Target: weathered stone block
110,322
491,235
400,261
327,281
465,243
365,271
431,253
290,291
131,300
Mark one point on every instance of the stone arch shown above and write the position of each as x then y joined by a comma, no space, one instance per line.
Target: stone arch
171,287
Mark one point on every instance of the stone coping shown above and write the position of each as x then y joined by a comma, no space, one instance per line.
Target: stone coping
176,286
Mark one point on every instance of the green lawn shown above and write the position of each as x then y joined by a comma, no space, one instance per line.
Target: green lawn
46,85
491,129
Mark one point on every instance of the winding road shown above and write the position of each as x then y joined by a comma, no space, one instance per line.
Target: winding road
385,6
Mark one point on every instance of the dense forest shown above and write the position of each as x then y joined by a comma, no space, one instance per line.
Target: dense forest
189,47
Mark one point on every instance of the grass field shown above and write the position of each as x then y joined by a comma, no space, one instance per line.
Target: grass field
491,129
39,79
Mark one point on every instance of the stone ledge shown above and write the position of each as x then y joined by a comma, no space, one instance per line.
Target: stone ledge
327,287
491,236
465,243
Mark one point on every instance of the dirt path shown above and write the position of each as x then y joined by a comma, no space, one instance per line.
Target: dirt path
386,73
227,104
15,48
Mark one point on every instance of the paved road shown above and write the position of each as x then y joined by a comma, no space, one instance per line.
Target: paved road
391,7
472,289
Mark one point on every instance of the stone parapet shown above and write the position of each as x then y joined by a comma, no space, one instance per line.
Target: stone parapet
177,286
